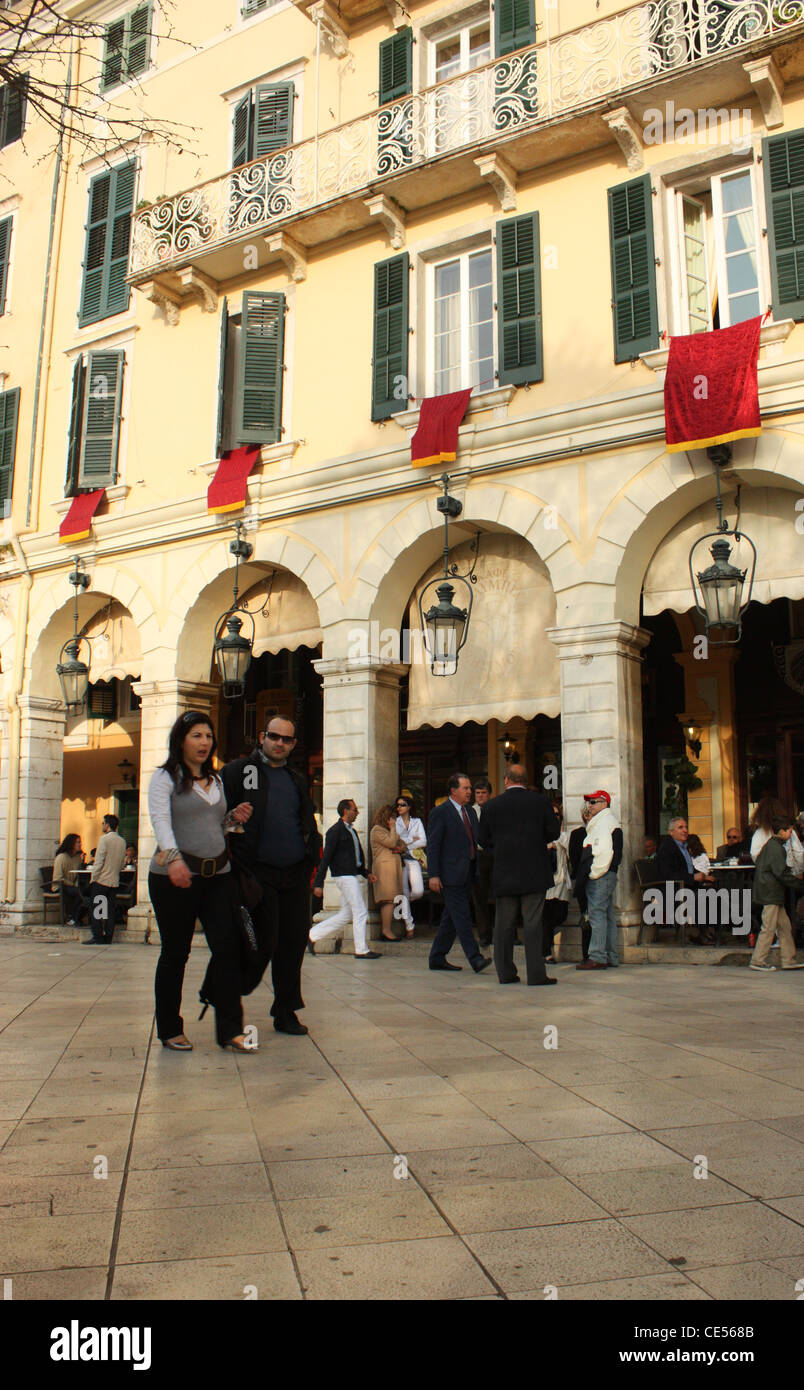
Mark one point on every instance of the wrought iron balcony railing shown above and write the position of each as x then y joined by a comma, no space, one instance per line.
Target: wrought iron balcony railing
519,92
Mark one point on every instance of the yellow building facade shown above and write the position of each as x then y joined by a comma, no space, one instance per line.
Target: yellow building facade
331,214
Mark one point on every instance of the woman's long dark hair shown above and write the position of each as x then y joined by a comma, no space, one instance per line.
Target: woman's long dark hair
175,763
64,847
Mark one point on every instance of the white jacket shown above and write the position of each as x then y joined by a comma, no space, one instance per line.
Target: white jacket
598,835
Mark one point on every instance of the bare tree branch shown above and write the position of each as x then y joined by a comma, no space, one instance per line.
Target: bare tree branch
42,49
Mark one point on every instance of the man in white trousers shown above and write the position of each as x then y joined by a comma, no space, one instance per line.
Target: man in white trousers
344,858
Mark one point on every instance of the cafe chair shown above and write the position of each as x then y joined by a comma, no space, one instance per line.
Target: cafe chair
645,870
51,895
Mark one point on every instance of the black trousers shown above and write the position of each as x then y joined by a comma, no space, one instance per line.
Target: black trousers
455,919
101,915
532,905
176,909
285,910
76,905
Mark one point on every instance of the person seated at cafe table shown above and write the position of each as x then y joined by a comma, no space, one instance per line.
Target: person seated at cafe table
700,858
674,863
736,844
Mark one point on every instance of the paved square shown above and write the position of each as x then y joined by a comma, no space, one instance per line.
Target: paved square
656,1152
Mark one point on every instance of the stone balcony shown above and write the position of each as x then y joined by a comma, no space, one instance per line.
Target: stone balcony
561,96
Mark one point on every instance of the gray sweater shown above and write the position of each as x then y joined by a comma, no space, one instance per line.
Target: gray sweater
185,820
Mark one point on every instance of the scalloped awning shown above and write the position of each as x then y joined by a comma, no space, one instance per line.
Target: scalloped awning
509,666
114,643
291,620
768,516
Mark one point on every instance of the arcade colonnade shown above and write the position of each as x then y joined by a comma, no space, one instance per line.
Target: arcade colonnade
356,567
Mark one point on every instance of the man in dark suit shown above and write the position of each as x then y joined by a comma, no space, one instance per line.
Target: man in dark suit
518,825
451,863
674,864
344,858
279,847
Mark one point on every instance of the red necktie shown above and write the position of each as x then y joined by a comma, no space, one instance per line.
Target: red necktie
467,827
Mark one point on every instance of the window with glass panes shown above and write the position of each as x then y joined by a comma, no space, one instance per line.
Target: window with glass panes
463,323
460,51
721,277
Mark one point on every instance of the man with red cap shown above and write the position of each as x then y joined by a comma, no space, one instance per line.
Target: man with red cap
603,850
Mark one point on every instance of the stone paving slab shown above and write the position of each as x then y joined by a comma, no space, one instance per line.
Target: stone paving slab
421,1142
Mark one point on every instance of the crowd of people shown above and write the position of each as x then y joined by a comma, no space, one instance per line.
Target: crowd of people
240,851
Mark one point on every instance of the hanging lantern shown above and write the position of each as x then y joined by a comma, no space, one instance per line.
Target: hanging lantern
445,626
73,676
233,657
231,651
73,673
719,591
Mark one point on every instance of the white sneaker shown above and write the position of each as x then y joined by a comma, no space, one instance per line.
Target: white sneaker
765,968
793,967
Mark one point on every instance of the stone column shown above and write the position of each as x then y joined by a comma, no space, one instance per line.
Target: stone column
162,703
361,738
601,740
33,834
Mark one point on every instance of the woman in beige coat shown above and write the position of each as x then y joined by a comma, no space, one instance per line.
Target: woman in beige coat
387,849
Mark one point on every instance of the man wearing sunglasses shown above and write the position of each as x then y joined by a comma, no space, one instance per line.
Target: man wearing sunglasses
280,846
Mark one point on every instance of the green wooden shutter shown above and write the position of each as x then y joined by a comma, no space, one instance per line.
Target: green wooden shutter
76,416
262,341
241,131
389,366
252,6
111,199
273,117
122,204
633,269
100,426
224,335
514,26
92,295
114,41
519,301
9,415
138,40
396,66
5,252
783,161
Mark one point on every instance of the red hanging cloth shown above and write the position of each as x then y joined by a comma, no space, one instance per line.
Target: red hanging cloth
710,392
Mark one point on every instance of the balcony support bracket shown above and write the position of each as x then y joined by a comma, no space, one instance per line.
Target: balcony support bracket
391,216
166,299
628,136
326,17
768,83
399,16
194,282
290,252
498,172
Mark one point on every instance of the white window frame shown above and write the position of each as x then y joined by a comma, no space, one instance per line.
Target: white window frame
462,31
463,255
10,211
683,186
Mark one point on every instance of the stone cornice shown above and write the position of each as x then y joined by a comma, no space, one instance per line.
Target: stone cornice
556,435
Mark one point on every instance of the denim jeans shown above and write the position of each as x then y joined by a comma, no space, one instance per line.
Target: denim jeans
600,906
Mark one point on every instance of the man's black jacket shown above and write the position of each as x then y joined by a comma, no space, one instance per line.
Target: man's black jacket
671,864
241,784
518,825
339,855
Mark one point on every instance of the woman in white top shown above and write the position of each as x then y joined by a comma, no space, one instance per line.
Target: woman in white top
410,829
768,808
190,878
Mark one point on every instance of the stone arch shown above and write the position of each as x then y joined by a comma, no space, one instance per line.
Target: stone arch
670,487
412,539
210,585
51,621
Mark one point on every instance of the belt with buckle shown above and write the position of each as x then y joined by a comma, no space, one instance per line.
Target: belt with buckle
206,868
